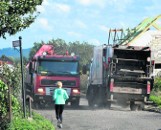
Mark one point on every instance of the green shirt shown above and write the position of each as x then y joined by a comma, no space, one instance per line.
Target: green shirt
60,96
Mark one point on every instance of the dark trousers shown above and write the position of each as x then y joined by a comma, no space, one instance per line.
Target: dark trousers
59,111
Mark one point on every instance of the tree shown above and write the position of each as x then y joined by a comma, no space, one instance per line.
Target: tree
60,46
84,50
34,49
16,15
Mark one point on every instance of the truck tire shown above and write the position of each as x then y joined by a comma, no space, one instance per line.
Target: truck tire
75,103
90,97
108,105
38,106
90,102
35,105
133,106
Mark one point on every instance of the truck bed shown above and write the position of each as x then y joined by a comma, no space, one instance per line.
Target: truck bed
131,63
130,71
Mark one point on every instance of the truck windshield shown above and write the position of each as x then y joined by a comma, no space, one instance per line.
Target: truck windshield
56,67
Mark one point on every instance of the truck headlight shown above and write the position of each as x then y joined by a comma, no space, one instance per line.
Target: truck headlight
75,91
148,59
40,90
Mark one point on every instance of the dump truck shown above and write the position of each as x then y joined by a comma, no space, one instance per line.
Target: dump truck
45,69
120,74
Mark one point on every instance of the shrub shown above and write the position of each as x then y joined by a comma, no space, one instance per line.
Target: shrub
155,95
157,84
4,106
37,123
4,99
16,108
156,99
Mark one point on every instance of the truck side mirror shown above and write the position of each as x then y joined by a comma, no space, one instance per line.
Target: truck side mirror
30,68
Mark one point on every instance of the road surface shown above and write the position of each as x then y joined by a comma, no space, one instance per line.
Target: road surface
117,118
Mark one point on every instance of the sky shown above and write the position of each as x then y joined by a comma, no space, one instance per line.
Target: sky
83,20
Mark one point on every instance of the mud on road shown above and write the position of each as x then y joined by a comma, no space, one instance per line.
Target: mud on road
117,118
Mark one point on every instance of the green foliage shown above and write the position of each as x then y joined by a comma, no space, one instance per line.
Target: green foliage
4,104
16,109
17,61
84,50
156,99
12,76
155,95
37,123
3,97
157,84
16,15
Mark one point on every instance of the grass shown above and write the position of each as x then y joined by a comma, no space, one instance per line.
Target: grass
156,99
38,122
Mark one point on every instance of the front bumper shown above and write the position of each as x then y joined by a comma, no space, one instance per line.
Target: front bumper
48,98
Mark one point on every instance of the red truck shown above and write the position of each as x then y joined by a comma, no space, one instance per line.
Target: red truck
43,72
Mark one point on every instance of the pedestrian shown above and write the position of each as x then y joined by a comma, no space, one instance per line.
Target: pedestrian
59,96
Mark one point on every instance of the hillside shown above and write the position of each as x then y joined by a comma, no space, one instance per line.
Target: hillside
11,52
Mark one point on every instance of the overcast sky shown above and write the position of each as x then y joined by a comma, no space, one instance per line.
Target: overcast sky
84,20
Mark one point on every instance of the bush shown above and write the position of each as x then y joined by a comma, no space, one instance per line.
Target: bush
3,99
16,108
156,99
37,123
155,95
4,105
157,84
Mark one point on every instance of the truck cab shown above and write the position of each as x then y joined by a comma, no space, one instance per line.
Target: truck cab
44,71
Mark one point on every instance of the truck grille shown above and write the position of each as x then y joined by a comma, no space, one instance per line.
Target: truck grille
53,82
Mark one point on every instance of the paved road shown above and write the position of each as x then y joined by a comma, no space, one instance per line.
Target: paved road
116,118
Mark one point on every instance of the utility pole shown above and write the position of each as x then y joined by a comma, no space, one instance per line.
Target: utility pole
22,75
18,43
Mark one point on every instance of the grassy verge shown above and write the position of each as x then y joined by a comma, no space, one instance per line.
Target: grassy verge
156,100
156,93
38,122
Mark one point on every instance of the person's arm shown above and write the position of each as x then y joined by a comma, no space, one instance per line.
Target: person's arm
65,95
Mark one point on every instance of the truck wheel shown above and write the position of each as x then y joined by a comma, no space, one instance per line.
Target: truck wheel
75,103
35,106
90,96
90,102
108,104
133,106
